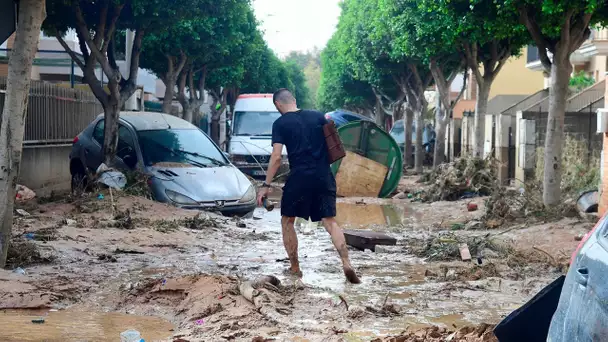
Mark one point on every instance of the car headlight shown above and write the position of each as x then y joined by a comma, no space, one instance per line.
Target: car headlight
249,195
179,198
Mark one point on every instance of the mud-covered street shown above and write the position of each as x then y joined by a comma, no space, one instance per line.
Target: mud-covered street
174,275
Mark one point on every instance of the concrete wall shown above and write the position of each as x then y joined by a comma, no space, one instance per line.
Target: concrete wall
582,126
45,168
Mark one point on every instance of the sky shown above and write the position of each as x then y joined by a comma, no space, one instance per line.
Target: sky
297,25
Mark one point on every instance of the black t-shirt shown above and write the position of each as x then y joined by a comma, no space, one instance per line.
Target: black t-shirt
302,134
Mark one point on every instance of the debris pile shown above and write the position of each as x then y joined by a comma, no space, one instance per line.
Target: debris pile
23,253
481,333
200,222
447,246
505,204
123,220
462,178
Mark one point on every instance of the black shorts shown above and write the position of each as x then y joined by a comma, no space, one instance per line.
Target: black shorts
309,197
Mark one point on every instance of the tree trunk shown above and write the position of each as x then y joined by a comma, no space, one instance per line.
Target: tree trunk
169,81
560,78
380,115
188,113
419,149
481,109
215,129
439,153
196,117
110,143
31,15
408,150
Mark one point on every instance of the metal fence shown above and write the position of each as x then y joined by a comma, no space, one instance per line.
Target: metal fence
55,114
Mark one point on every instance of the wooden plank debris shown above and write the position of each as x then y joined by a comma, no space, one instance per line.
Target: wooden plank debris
362,240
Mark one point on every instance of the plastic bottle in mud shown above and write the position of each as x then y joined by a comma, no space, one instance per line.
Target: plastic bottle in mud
131,336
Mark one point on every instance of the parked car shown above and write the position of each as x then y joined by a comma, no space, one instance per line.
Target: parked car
250,144
582,314
428,138
186,168
342,117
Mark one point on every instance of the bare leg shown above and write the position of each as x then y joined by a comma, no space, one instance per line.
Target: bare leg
337,237
290,240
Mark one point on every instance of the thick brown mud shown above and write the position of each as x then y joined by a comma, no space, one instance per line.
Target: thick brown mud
175,276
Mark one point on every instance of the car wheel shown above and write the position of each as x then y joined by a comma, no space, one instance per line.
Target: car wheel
79,182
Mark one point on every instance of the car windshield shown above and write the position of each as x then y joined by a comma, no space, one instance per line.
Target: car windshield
398,133
183,146
254,123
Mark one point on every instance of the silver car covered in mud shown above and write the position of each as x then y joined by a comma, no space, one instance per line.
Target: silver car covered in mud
186,168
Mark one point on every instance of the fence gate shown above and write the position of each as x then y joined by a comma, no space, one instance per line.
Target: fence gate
511,164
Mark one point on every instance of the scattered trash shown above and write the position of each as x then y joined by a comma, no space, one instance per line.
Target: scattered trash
130,336
123,220
579,237
69,222
19,270
107,257
588,201
30,236
390,249
472,207
474,224
200,322
457,226
24,193
38,320
100,197
465,254
110,177
127,251
22,213
241,224
493,223
401,195
429,273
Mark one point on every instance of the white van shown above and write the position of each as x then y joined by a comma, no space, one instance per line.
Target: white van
251,136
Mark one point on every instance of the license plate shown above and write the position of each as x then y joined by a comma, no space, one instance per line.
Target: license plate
259,173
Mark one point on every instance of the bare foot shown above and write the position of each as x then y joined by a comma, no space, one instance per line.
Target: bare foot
293,272
351,276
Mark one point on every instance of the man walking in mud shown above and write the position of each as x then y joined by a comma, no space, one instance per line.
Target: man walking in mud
310,190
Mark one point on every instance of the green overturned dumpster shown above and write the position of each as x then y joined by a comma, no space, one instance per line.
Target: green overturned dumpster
373,165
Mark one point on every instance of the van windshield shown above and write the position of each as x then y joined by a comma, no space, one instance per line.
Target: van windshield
254,123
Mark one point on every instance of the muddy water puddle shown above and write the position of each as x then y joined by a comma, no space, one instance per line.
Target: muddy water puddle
75,325
369,216
397,276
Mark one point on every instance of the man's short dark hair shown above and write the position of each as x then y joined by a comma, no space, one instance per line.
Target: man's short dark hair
284,96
